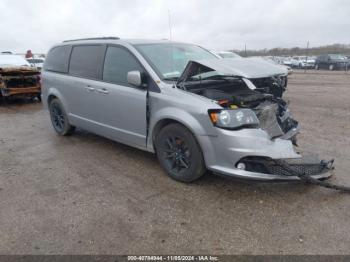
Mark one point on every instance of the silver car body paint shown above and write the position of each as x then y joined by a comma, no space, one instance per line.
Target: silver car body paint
120,114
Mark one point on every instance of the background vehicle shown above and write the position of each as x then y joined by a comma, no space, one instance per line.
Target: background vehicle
226,54
280,63
36,62
286,61
194,110
9,60
17,78
332,62
303,62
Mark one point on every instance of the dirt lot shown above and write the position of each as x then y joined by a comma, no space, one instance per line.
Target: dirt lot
85,194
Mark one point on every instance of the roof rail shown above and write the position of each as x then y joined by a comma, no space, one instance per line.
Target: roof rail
94,38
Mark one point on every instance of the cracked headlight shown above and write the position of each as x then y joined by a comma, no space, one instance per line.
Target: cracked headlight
234,119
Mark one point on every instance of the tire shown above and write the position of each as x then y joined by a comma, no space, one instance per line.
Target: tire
59,118
179,153
317,67
331,67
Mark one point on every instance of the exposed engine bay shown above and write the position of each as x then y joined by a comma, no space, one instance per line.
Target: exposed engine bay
232,92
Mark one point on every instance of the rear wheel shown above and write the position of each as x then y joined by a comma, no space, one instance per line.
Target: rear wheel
179,153
59,118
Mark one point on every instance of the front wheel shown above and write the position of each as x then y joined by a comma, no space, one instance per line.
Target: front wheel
179,153
59,118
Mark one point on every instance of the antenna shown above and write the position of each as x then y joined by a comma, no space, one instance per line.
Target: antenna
170,33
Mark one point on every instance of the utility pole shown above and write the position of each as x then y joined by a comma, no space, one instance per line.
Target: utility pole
245,49
307,54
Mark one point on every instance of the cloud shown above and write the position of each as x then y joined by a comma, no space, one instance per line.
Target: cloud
222,24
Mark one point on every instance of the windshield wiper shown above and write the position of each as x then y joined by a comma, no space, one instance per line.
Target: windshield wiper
173,78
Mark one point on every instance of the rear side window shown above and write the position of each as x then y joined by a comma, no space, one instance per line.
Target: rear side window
57,59
118,63
86,61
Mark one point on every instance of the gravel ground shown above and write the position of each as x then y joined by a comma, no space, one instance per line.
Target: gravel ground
87,195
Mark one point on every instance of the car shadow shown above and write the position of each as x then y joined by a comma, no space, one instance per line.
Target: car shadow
20,105
209,181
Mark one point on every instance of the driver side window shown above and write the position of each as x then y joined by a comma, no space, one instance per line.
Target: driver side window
118,63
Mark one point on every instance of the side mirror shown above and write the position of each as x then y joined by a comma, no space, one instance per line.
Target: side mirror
134,78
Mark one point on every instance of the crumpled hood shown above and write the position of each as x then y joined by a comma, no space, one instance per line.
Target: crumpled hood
244,67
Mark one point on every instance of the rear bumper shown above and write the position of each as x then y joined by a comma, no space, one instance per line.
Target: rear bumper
20,91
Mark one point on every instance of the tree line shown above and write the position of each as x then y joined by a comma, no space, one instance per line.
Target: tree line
295,51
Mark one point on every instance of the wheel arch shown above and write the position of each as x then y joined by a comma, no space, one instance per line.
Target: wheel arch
161,124
50,98
189,122
54,93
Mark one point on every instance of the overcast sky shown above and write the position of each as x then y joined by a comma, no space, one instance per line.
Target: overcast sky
219,25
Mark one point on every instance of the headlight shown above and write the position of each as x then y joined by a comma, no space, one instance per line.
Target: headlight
234,119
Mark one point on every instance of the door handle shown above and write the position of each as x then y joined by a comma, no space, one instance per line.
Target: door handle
89,89
103,91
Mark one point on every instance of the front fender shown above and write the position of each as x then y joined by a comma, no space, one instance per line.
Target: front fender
198,123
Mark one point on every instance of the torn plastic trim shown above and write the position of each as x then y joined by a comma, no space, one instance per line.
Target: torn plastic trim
312,180
287,168
309,172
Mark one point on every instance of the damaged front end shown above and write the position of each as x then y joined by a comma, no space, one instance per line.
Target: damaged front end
262,146
20,81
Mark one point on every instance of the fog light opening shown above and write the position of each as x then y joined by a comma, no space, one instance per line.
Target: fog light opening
241,166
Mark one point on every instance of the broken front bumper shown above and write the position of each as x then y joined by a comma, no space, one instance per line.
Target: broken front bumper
225,151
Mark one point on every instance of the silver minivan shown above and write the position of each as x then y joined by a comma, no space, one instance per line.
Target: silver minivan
195,111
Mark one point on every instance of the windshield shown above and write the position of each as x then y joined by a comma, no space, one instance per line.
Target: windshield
170,59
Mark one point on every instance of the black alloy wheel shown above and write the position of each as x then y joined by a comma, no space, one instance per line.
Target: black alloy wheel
179,153
59,118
